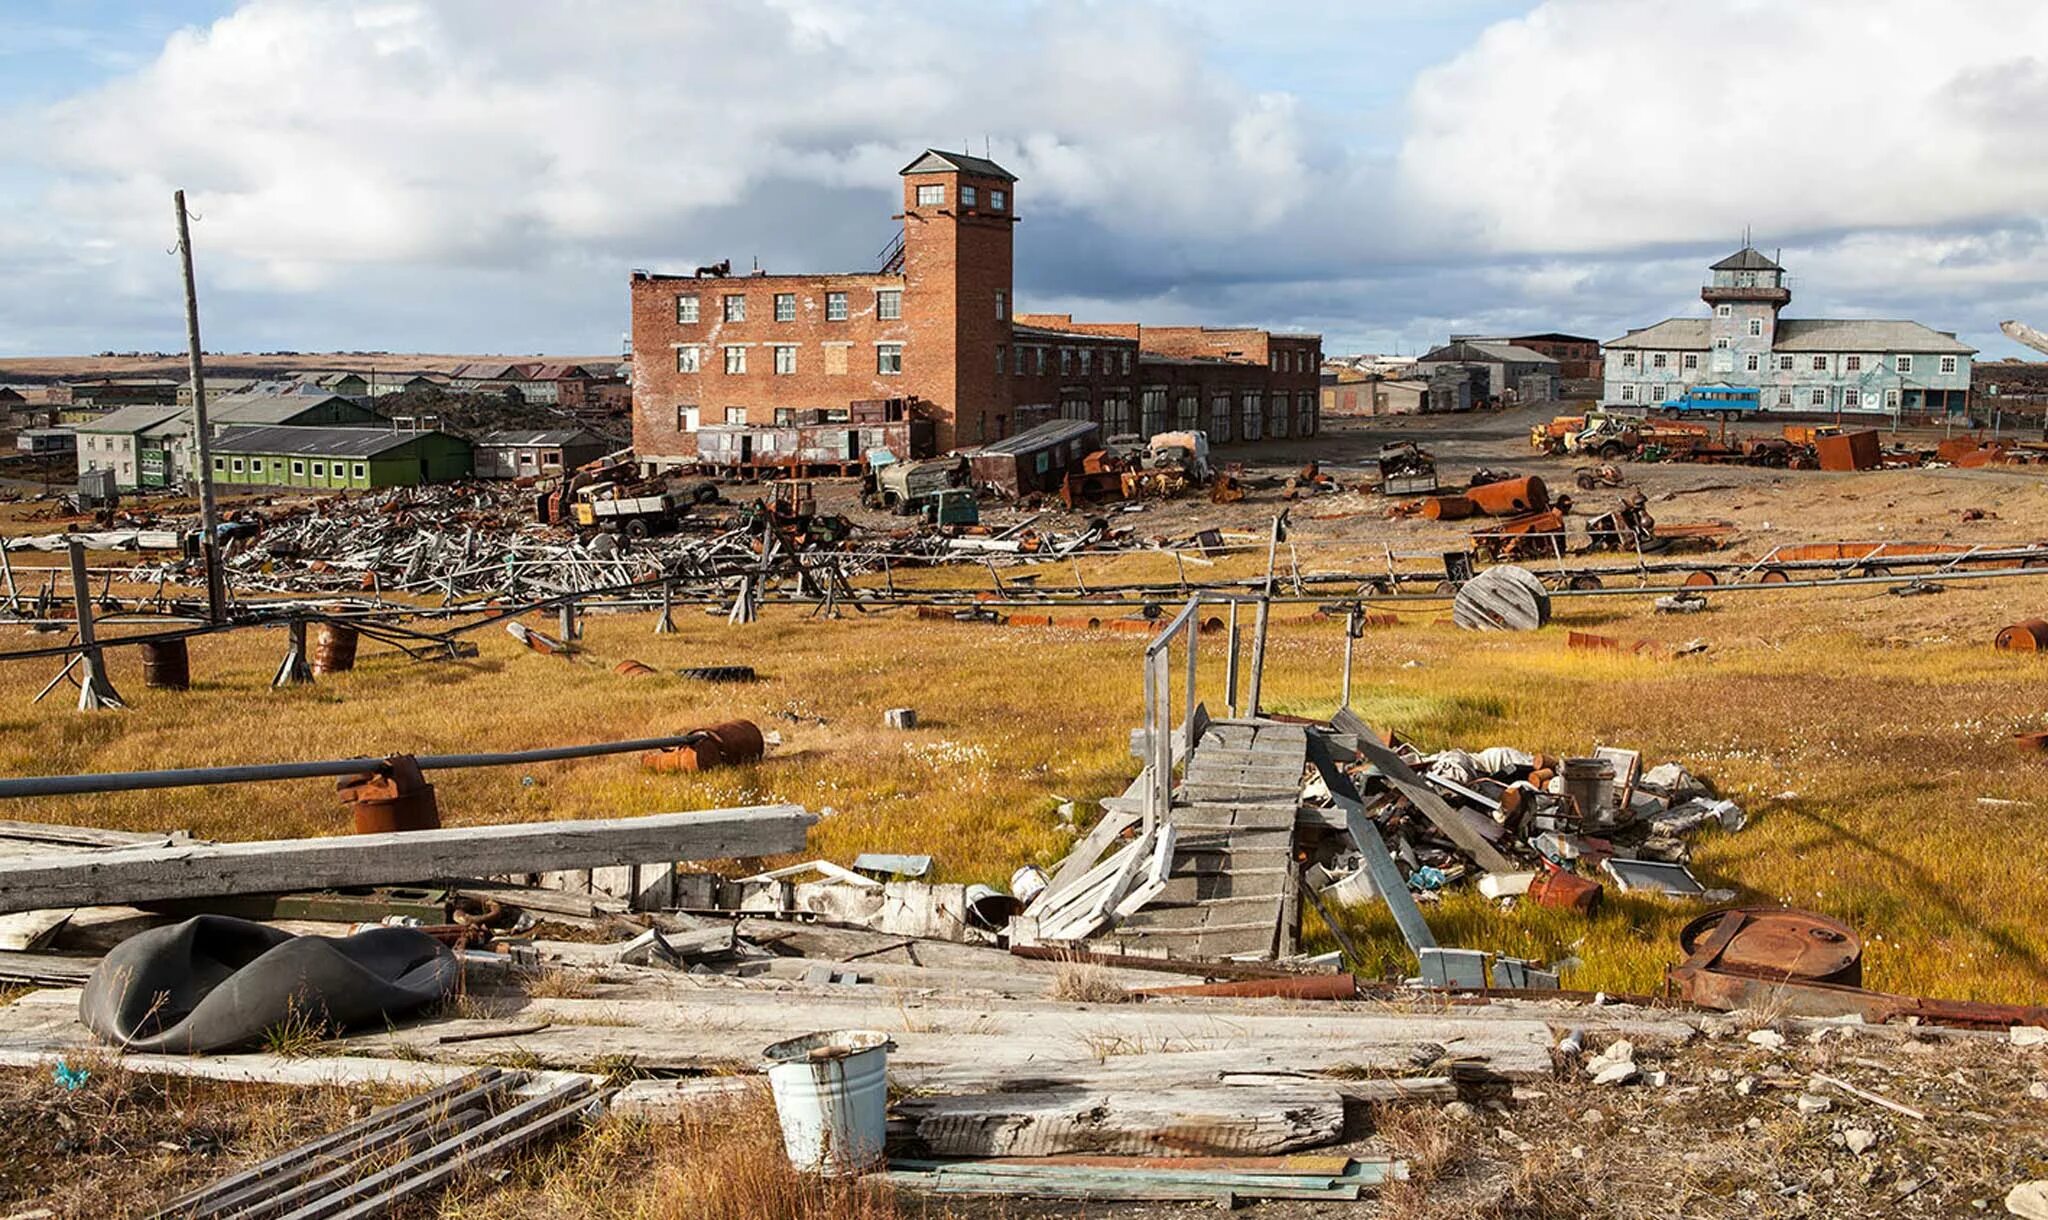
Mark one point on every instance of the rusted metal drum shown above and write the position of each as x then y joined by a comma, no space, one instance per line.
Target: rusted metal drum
632,669
2028,636
1448,508
334,649
1774,576
1783,944
1565,892
415,810
166,665
1511,498
727,744
1701,579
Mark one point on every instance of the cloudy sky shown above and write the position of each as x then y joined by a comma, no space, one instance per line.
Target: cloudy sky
482,175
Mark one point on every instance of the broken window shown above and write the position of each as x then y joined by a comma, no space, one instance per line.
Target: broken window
888,359
687,359
735,308
686,308
785,307
835,360
1219,419
735,359
785,359
735,415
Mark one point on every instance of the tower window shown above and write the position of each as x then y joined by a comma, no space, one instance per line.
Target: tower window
735,308
785,307
1721,344
1756,327
889,304
888,359
1754,362
932,196
966,196
835,307
1722,311
998,200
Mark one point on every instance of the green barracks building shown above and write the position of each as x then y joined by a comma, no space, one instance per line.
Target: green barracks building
338,459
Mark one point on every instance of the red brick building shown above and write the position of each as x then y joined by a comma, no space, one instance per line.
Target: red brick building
937,326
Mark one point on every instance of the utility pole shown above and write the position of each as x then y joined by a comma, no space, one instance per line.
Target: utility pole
209,523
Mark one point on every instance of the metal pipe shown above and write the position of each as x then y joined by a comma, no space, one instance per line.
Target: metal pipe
190,777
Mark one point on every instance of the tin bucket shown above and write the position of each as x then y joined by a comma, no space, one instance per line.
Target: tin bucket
832,1097
1028,883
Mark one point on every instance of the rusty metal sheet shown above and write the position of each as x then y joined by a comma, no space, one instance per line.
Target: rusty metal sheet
1780,943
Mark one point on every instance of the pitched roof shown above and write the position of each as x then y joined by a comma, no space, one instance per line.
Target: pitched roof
1672,334
935,162
147,417
555,436
1044,436
315,442
1749,258
271,408
1466,351
1864,335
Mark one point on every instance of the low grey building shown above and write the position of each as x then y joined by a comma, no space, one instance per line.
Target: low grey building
1505,364
1817,365
524,454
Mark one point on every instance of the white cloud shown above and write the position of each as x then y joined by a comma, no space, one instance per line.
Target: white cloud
1599,124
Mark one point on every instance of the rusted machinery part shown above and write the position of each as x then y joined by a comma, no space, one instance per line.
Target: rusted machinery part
1774,576
1513,497
1781,943
632,669
2028,636
1305,987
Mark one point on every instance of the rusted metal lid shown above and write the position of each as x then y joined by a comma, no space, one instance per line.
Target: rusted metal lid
1781,943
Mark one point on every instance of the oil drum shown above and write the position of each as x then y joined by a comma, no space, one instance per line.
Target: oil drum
334,649
166,665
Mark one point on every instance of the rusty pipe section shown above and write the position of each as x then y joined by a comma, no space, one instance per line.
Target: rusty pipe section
195,777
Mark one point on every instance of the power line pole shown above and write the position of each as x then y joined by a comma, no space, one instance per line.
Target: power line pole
209,537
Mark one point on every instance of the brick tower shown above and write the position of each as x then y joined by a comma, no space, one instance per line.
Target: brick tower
957,213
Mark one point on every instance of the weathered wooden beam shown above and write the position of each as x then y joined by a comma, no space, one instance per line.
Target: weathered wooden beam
1451,822
211,870
1252,1120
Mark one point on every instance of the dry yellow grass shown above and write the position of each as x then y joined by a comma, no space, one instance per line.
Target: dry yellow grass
1859,730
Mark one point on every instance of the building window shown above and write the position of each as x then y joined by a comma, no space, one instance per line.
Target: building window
1905,364
1820,364
319,470
1127,360
889,304
735,415
735,308
1219,419
1784,396
1785,363
1153,418
1628,360
1002,306
1276,362
1116,414
1087,360
363,472
1721,344
1756,328
1657,392
1306,412
1891,400
1852,364
1852,399
689,360
236,465
1000,353
1722,311
683,413
785,307
1819,396
1948,364
966,196
735,359
686,309
1276,414
1754,363
1038,361
998,200
835,360
835,307
888,359
298,468
1692,360
931,196
1066,362
1249,408
1658,361
785,359
1628,393
1187,410
785,417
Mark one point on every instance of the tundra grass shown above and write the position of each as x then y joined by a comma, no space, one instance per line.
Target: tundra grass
1869,737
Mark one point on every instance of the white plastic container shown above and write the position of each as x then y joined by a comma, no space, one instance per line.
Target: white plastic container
1027,883
832,1097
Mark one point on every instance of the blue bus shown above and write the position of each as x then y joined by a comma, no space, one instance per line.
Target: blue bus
1716,399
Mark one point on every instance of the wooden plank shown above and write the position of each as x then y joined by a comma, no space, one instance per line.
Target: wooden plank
28,931
56,834
1248,1121
1446,819
1087,852
148,874
45,969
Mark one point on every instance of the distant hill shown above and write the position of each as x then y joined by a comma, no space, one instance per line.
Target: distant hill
37,370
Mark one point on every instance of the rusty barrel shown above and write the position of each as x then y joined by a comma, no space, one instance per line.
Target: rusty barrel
334,649
166,665
1447,508
1511,498
2028,636
724,744
632,669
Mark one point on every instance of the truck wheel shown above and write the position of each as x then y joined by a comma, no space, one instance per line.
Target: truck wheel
637,529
